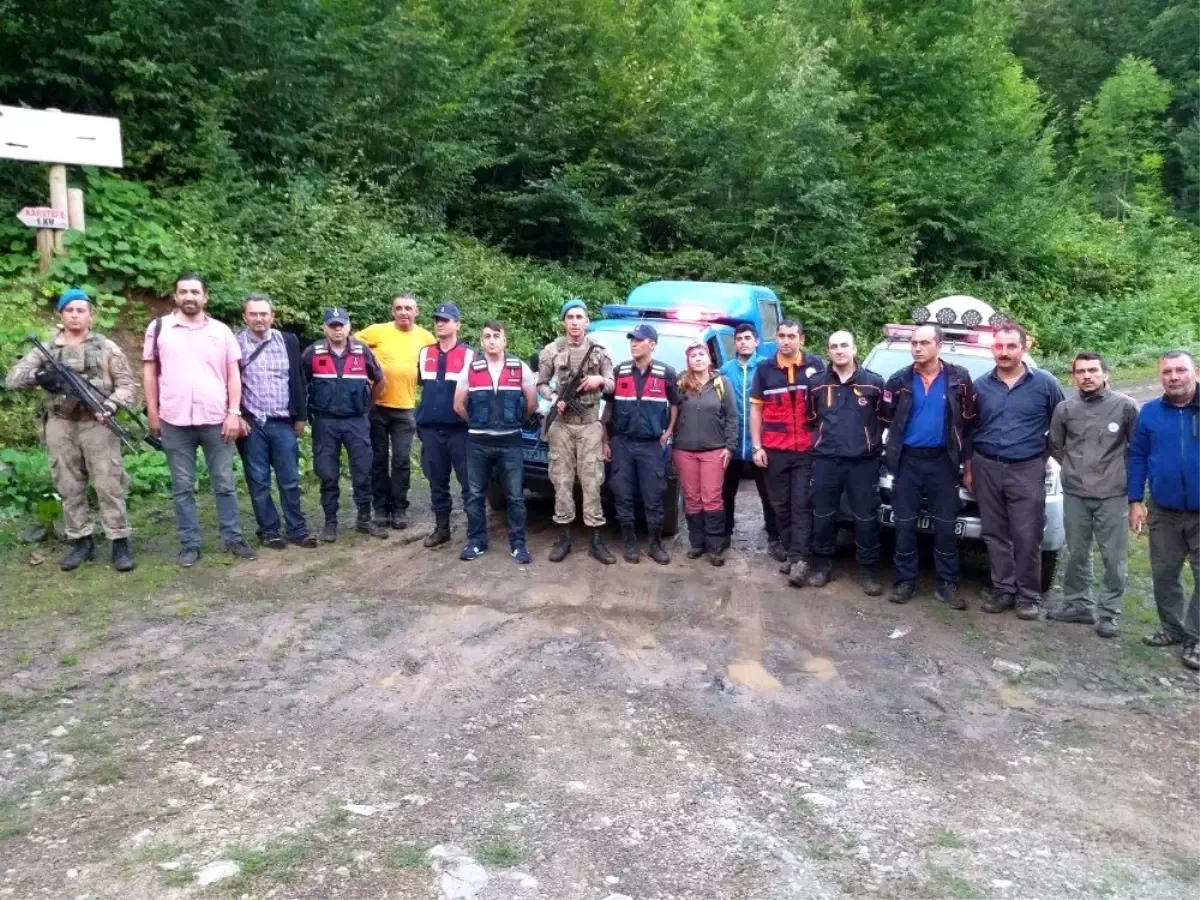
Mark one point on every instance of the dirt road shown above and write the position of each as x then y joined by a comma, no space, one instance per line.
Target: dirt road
377,720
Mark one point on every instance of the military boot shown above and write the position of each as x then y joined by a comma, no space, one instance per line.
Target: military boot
629,539
441,532
657,551
83,551
563,545
366,525
868,581
598,551
714,534
122,556
695,524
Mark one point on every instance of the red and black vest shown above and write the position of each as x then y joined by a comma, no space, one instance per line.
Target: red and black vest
645,417
784,396
499,406
339,387
440,372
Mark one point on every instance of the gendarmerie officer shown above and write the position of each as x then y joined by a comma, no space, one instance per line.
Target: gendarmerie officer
845,402
645,404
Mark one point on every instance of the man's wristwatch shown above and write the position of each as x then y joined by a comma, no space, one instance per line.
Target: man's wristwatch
234,412
756,449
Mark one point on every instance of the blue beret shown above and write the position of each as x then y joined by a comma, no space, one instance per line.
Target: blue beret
72,294
573,303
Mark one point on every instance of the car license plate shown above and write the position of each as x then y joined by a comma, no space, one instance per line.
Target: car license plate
536,453
924,523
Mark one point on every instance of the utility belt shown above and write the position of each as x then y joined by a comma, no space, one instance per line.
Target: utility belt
924,452
1005,460
79,414
570,417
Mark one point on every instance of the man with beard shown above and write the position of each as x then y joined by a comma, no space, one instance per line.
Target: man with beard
194,400
80,445
1166,449
1089,436
1007,470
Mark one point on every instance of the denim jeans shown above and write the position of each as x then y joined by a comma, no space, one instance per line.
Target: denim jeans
505,458
272,445
180,444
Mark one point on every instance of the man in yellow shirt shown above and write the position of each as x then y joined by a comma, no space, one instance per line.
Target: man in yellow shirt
396,345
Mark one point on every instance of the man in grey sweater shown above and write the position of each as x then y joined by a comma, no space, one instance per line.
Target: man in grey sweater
1089,436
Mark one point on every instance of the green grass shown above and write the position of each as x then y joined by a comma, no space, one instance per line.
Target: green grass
404,856
68,659
335,814
820,851
12,818
946,839
178,878
944,883
278,861
799,808
499,851
157,852
107,772
863,738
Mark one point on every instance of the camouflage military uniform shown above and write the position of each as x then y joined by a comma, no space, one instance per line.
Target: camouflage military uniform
576,442
80,447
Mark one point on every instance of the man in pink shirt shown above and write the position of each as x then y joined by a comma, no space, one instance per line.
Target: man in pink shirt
194,400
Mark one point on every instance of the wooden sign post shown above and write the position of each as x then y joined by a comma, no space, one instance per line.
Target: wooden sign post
61,139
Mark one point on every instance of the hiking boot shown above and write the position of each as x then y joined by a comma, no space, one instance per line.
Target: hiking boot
188,557
714,537
1072,611
798,573
371,528
398,520
563,545
775,550
695,524
83,551
241,550
329,532
998,603
819,577
657,551
122,555
307,542
902,592
1190,657
629,537
597,550
274,543
1029,609
1107,628
440,534
868,582
948,593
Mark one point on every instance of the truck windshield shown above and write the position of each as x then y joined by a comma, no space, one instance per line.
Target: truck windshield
670,350
887,361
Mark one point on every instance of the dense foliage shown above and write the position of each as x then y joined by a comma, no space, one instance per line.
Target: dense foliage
855,155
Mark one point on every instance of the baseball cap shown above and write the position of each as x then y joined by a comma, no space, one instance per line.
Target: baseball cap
643,332
336,315
447,311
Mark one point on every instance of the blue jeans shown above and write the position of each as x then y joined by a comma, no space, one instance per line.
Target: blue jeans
272,444
180,444
505,458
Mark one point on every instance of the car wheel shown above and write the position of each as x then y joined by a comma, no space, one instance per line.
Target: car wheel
1049,565
495,497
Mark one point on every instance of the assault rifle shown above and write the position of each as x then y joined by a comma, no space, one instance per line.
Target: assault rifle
90,397
569,395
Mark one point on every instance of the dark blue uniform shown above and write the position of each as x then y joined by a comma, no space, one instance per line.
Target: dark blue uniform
641,411
339,395
846,452
443,434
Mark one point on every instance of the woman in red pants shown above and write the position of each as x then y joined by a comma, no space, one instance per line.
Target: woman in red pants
705,441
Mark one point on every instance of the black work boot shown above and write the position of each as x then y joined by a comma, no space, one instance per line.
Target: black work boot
714,533
83,551
563,545
657,551
366,525
440,534
819,576
629,538
869,582
122,556
902,592
329,532
695,524
948,593
776,550
597,550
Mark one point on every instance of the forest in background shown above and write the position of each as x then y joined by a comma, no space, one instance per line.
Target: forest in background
858,156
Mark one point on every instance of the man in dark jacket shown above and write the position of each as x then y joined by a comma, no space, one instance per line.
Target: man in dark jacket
274,410
343,381
1166,448
1089,436
929,407
845,404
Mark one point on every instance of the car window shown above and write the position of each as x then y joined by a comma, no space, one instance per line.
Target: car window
887,361
768,313
670,350
728,350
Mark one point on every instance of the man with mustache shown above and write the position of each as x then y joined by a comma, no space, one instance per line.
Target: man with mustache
1007,470
1089,436
194,400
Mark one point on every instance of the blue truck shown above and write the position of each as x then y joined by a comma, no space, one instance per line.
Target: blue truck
682,312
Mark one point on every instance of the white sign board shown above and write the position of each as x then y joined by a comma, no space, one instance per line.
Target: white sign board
36,135
43,217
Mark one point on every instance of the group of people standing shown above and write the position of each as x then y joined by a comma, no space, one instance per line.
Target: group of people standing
807,432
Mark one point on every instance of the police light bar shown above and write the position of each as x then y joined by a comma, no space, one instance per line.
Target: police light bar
899,332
